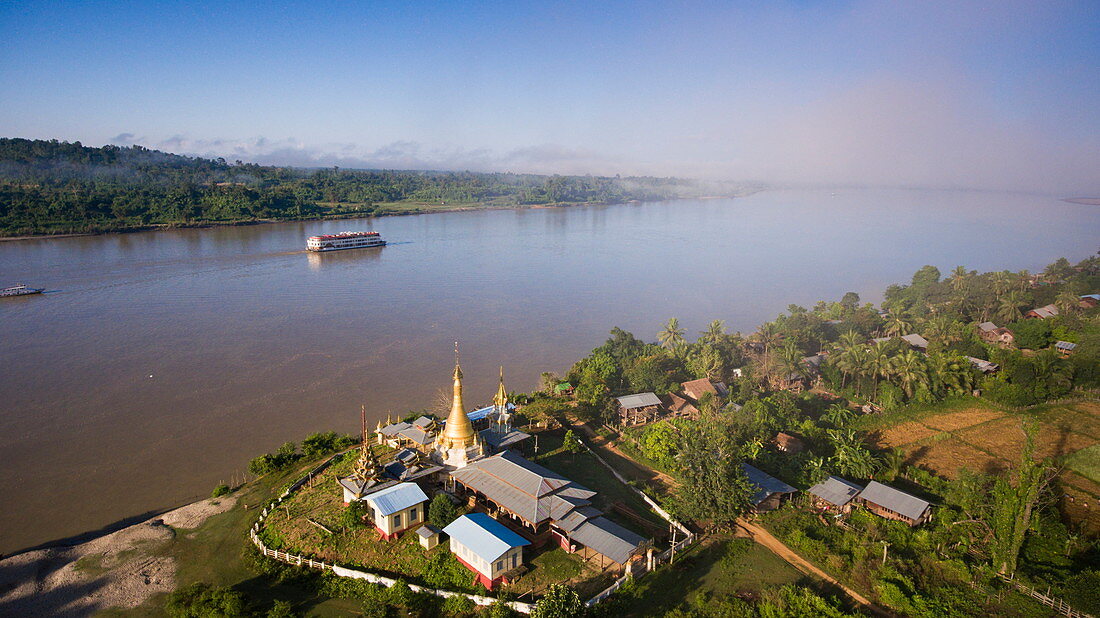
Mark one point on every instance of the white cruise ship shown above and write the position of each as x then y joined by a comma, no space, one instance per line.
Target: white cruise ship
345,240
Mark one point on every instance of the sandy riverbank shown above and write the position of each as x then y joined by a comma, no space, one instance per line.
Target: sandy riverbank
120,569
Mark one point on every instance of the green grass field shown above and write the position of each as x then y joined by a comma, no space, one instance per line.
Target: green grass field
719,567
1086,462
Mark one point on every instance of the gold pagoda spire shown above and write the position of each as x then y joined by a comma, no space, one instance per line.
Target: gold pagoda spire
366,467
500,400
459,432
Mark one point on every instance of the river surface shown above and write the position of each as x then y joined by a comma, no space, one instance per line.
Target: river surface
159,363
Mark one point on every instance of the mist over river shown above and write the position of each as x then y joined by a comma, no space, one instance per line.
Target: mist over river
159,363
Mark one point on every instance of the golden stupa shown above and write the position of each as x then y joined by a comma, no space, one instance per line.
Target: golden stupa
459,432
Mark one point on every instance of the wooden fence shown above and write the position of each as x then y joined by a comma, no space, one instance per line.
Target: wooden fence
1054,603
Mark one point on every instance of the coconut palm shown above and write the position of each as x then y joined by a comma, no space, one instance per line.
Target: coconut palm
790,360
714,332
1067,302
910,371
960,279
897,325
878,364
851,339
672,337
768,334
1009,308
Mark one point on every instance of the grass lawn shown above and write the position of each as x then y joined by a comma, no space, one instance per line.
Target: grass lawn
587,471
719,566
213,553
1086,462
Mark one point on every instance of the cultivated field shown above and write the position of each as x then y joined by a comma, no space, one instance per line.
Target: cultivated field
981,438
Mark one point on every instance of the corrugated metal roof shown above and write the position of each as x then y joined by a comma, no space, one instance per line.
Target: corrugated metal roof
608,538
427,531
1046,311
518,485
897,501
915,340
481,413
486,537
835,490
765,484
394,429
1065,345
640,400
503,439
1092,296
987,326
397,498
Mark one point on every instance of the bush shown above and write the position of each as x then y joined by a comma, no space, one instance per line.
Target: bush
458,606
201,600
319,444
560,601
221,490
353,515
441,511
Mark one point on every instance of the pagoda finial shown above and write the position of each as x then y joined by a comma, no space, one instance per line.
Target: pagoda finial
459,432
367,466
500,400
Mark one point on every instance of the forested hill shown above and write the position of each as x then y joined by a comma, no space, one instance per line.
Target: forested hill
49,186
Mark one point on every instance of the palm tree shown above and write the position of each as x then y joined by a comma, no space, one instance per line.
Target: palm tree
851,339
672,337
838,415
1009,308
960,277
768,334
897,325
1067,302
878,364
790,360
714,332
1002,282
909,368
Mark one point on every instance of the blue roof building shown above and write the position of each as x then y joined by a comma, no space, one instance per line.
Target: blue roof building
486,547
397,508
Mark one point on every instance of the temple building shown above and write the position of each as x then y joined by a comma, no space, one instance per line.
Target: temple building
458,444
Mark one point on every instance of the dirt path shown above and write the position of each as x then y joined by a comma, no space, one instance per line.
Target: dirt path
765,538
622,462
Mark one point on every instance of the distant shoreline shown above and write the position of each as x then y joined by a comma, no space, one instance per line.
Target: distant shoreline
414,209
1088,201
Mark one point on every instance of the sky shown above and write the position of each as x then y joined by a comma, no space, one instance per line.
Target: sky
987,95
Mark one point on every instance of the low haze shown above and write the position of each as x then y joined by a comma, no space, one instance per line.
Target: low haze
964,95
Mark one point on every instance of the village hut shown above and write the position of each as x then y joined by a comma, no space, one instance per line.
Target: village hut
885,501
769,491
639,409
695,389
834,494
787,443
916,341
1065,348
1044,312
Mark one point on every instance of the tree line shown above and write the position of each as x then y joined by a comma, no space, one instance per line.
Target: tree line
50,186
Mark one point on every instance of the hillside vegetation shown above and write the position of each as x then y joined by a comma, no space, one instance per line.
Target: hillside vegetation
52,187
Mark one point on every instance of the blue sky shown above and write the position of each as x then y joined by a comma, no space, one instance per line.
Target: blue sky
989,95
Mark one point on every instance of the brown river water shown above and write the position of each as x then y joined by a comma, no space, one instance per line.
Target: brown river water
159,363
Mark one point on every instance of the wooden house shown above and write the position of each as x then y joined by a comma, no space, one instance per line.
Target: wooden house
834,494
1088,301
991,333
916,341
639,409
885,501
487,547
679,407
695,389
1044,312
768,491
787,443
983,366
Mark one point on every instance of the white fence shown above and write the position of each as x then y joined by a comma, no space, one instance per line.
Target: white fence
306,561
665,556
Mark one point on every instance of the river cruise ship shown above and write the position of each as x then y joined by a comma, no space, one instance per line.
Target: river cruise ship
345,240
20,290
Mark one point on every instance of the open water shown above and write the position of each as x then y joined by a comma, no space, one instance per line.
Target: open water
159,363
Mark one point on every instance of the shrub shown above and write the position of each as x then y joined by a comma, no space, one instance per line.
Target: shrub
201,600
221,490
441,511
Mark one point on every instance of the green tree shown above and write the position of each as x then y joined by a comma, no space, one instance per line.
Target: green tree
571,443
560,601
1009,308
1014,502
713,488
441,511
910,371
672,336
714,333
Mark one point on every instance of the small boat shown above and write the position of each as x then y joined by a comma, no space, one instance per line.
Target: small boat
345,240
20,290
